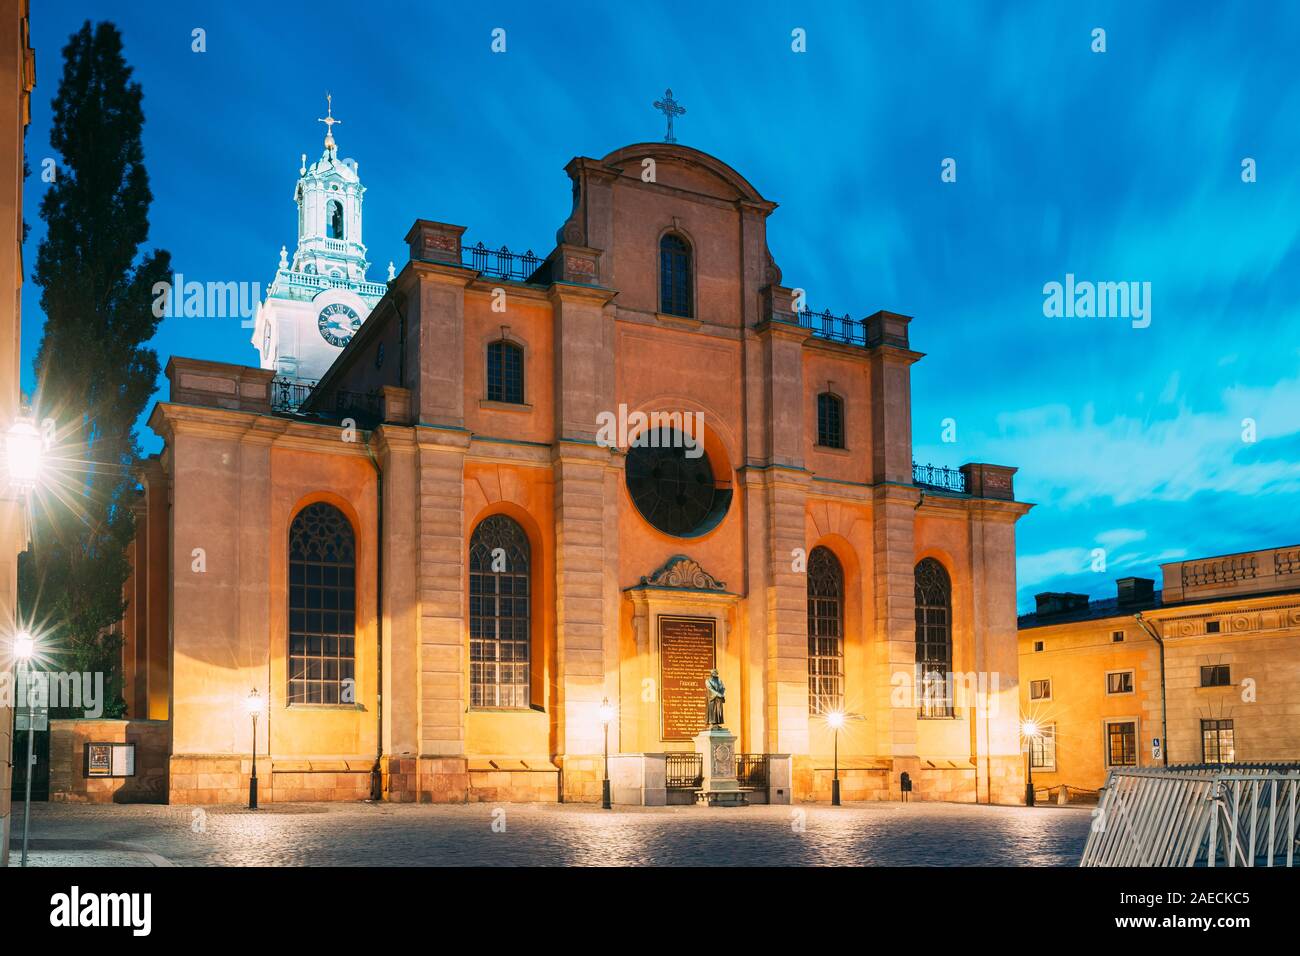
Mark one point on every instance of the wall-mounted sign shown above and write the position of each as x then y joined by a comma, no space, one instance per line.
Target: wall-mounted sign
110,760
686,655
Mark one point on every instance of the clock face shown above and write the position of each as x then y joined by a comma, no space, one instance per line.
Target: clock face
337,323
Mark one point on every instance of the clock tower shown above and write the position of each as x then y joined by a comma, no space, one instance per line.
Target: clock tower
318,299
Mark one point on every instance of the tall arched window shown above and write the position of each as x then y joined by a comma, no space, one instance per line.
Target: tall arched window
933,639
830,420
675,276
505,372
322,607
334,210
499,619
825,632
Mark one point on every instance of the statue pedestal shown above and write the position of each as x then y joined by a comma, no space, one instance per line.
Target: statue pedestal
719,787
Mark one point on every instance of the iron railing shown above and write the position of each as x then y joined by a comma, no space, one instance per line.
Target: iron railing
295,398
826,325
501,263
751,771
1206,815
933,476
684,771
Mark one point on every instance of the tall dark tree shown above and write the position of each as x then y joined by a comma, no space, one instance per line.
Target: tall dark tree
94,369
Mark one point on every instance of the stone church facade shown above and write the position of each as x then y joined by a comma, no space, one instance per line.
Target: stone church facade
448,582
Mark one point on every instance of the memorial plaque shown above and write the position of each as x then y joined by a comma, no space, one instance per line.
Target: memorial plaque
686,655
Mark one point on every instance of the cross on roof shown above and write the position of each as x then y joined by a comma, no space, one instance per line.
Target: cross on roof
668,106
329,120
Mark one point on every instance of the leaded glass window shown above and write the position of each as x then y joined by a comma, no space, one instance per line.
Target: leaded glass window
1121,744
825,632
505,373
499,614
674,276
322,607
830,421
933,639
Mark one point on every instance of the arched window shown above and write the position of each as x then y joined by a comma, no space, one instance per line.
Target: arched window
674,276
322,607
830,420
334,209
499,618
505,372
933,639
825,632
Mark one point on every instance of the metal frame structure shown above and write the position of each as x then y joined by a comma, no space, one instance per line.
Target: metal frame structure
1230,815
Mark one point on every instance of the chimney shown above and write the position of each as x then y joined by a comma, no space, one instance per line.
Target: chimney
1135,591
1059,602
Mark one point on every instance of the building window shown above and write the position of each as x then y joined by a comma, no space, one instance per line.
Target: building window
825,632
1042,749
1216,675
1121,744
1211,627
1119,682
1216,741
1040,690
505,373
499,618
933,639
322,607
830,420
1038,646
674,276
334,209
1117,637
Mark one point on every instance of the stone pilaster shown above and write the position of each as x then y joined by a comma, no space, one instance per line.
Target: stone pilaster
437,314
894,606
786,613
440,587
396,452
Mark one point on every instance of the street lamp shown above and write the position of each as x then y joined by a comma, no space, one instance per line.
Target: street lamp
24,648
254,705
606,715
1030,730
23,447
835,720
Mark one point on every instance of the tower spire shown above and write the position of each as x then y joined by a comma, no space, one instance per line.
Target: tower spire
329,121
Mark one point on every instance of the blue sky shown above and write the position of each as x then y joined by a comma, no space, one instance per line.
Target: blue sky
1115,166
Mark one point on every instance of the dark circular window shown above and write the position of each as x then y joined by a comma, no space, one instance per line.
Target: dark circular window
673,486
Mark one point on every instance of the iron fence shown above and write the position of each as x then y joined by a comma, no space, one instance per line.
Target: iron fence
933,476
501,263
826,325
751,771
296,398
685,771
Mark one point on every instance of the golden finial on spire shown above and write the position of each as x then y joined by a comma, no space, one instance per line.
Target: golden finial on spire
329,121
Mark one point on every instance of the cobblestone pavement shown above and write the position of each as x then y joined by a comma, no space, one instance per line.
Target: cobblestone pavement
913,834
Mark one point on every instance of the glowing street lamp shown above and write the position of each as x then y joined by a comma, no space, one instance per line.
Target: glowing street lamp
23,448
835,720
24,649
254,705
1029,729
606,715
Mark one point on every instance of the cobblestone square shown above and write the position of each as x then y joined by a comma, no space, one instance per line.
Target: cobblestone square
358,834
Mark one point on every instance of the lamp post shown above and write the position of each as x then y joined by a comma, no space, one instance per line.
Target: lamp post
606,715
1030,731
24,646
254,705
23,452
835,720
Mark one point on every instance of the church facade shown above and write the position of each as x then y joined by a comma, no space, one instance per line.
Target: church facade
534,502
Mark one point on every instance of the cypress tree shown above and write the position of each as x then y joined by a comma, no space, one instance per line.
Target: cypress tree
94,369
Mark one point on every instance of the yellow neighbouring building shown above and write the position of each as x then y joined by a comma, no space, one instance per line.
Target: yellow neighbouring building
1204,670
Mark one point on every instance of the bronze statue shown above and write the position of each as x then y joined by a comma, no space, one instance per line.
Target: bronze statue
717,697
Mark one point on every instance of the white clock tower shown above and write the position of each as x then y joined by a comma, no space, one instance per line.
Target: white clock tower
316,302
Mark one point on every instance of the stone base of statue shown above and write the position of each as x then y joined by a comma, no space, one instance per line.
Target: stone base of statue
719,787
